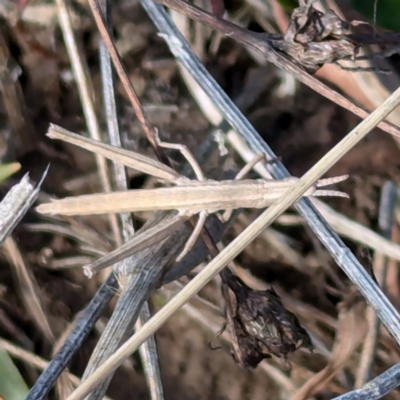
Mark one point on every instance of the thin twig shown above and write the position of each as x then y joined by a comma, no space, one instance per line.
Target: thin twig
386,219
85,91
30,296
377,388
123,76
262,43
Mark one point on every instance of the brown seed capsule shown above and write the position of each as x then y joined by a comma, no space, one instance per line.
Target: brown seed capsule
251,351
264,326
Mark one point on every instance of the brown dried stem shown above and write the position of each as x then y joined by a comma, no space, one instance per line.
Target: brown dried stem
267,44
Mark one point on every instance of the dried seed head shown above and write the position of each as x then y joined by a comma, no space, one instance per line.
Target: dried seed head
263,326
251,352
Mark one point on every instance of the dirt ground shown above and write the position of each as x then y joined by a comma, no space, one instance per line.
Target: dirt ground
300,128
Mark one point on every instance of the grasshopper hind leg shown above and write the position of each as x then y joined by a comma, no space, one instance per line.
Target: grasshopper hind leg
188,155
194,236
200,176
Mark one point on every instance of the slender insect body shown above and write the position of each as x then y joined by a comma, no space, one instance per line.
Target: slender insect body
190,197
187,196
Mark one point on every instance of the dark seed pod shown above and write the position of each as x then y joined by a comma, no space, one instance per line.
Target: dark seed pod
251,353
263,326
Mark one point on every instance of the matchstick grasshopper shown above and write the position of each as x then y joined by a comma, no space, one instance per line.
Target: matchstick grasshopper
187,196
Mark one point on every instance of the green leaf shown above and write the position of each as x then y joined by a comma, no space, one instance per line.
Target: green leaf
387,12
7,170
12,385
289,5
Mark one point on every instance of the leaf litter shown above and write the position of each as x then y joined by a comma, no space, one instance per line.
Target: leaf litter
263,325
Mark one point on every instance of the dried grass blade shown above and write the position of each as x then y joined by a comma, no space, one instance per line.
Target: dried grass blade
16,204
84,323
380,266
138,242
33,360
117,154
377,388
85,90
29,293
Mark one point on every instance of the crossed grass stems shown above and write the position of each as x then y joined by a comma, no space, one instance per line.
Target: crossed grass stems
368,288
259,322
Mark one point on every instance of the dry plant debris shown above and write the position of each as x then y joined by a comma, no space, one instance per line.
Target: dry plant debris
272,46
275,330
16,204
263,325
